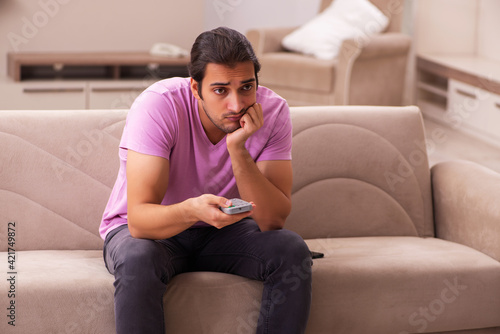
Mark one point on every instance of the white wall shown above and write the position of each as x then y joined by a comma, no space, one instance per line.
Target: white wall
489,28
446,26
459,27
243,15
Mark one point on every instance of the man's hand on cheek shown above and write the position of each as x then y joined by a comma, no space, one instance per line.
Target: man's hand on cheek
251,121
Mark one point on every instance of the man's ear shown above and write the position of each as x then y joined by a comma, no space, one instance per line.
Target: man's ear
194,89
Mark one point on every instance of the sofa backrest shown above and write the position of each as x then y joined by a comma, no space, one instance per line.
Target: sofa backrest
393,9
360,171
57,169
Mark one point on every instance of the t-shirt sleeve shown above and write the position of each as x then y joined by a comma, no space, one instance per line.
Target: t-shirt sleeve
150,127
279,144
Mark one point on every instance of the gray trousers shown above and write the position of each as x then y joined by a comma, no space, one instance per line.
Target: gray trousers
143,267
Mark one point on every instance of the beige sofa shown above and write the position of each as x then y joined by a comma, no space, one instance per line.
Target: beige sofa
407,249
368,71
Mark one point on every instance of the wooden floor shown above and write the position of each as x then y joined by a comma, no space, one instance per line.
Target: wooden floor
445,143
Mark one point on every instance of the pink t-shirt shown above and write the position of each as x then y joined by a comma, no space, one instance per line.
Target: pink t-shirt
164,121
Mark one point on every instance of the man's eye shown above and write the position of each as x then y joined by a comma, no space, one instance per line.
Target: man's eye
247,87
219,91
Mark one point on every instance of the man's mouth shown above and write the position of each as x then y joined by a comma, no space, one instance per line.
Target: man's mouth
235,118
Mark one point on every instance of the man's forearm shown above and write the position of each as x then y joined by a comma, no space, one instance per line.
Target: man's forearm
272,204
156,221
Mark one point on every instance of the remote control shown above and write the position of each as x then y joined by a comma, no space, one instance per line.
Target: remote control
317,255
238,206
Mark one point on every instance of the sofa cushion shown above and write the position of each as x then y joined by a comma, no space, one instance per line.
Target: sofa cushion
233,300
291,70
402,285
395,283
62,292
343,19
360,173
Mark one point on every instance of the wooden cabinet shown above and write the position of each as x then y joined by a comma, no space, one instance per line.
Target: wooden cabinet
48,95
43,95
462,92
93,65
114,94
475,107
458,64
83,80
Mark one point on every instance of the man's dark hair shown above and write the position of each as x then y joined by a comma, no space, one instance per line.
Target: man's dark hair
223,46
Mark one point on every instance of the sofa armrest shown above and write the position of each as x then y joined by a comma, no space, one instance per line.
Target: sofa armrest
466,205
381,45
384,45
385,57
266,40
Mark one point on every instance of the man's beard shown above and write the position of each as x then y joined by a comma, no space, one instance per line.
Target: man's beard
219,125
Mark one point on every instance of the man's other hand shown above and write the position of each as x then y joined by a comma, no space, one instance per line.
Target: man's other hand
251,121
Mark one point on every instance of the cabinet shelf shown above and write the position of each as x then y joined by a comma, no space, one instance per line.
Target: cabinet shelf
98,65
461,91
432,89
475,71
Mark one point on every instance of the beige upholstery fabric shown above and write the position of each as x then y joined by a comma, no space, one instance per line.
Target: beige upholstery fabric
385,281
362,195
463,213
61,167
370,71
495,330
201,294
394,283
306,73
353,177
63,291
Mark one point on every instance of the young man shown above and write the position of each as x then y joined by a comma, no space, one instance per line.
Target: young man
188,147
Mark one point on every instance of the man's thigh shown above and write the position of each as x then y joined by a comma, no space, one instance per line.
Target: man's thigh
242,249
168,257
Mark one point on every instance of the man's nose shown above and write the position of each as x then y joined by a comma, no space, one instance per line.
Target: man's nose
235,103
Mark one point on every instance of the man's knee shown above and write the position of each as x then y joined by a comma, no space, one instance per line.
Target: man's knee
291,250
292,244
139,259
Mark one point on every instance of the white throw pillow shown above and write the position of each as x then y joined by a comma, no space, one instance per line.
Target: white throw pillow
343,19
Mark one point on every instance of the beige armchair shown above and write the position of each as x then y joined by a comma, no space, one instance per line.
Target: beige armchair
366,72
